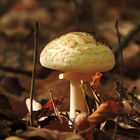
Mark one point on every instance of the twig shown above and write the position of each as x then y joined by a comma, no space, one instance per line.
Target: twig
115,129
8,69
84,86
66,115
84,94
127,39
34,71
15,70
54,107
121,62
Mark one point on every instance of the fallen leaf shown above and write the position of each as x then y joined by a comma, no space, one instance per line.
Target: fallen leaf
108,109
36,106
96,80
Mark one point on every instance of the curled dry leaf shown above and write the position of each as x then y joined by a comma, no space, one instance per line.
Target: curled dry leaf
41,112
83,124
96,80
49,104
80,118
47,134
129,98
108,109
36,106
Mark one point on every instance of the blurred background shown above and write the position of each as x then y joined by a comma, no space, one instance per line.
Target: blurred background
56,17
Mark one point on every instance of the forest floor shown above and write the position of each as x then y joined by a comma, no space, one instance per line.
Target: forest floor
17,37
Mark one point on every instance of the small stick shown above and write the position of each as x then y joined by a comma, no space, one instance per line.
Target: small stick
84,94
15,70
66,115
33,72
121,62
127,39
115,129
54,107
8,69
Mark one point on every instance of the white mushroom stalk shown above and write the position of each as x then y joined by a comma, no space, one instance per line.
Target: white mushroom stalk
77,97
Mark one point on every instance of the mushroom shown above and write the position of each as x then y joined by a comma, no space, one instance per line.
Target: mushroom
79,56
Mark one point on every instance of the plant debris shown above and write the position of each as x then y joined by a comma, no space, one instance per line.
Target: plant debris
113,104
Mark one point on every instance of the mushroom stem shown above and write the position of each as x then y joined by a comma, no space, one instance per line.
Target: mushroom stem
77,99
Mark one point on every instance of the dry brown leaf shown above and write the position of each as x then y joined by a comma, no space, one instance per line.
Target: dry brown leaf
96,80
50,134
108,109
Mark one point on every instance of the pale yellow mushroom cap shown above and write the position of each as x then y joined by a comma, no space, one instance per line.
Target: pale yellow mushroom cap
78,52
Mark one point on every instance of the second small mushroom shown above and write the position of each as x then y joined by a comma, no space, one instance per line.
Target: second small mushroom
79,56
